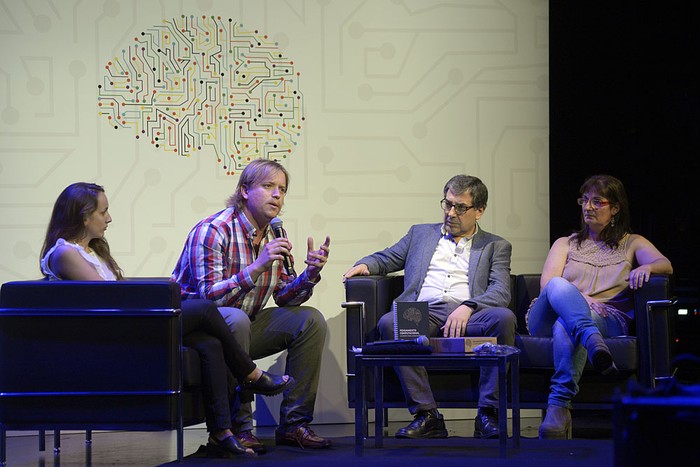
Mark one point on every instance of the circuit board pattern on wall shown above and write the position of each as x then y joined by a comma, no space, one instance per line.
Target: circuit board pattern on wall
199,82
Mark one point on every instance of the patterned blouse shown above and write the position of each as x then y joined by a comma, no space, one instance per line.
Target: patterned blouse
601,274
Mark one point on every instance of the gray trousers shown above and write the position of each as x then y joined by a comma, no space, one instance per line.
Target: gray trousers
492,322
301,330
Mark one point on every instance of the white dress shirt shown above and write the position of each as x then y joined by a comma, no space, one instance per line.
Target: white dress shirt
447,280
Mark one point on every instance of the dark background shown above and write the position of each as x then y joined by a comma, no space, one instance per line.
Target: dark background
625,100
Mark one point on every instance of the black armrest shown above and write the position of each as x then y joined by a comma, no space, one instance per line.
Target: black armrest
658,288
653,322
377,293
367,299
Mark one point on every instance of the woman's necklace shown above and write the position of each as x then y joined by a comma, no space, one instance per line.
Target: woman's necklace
84,247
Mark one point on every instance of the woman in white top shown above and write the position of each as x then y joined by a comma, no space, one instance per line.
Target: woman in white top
75,249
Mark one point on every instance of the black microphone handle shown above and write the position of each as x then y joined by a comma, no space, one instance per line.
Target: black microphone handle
422,340
287,261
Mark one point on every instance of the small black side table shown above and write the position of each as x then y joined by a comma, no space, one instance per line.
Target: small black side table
365,363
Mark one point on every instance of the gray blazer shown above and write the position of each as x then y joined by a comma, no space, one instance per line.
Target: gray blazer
489,265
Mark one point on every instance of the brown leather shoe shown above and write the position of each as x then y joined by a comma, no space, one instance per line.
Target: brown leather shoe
301,436
248,440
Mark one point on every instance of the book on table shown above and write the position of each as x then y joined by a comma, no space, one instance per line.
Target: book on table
410,320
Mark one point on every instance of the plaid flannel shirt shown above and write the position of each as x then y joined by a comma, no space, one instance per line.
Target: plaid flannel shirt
213,265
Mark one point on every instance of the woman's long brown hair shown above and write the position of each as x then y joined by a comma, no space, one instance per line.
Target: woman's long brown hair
75,204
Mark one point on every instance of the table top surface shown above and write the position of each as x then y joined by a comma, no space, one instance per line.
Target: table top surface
507,354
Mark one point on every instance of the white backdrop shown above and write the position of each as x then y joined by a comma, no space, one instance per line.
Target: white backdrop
399,95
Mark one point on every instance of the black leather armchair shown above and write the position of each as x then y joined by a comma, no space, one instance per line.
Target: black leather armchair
95,355
641,358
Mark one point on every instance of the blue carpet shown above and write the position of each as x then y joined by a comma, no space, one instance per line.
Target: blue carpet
453,451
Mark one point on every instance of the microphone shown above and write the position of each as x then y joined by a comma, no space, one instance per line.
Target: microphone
276,226
420,340
418,346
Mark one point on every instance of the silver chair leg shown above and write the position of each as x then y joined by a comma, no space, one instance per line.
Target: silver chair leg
56,441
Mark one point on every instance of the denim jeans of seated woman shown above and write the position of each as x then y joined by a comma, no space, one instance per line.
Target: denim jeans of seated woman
562,313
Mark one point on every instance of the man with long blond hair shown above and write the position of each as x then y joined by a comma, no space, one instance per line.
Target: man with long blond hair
235,258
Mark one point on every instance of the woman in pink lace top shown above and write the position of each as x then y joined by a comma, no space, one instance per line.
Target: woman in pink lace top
586,293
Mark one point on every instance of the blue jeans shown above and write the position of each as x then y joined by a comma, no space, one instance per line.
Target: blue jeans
562,313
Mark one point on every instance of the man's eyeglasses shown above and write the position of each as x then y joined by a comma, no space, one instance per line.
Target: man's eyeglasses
597,203
459,208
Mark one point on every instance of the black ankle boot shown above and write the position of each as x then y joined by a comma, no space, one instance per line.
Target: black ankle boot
599,355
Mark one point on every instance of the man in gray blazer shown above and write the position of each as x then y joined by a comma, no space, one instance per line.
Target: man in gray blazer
463,272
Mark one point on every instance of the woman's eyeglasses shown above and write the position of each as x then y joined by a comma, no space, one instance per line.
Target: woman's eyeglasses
597,203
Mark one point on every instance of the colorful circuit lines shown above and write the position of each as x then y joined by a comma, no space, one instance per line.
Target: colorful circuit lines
198,82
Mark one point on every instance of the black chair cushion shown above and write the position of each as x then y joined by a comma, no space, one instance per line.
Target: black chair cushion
536,352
